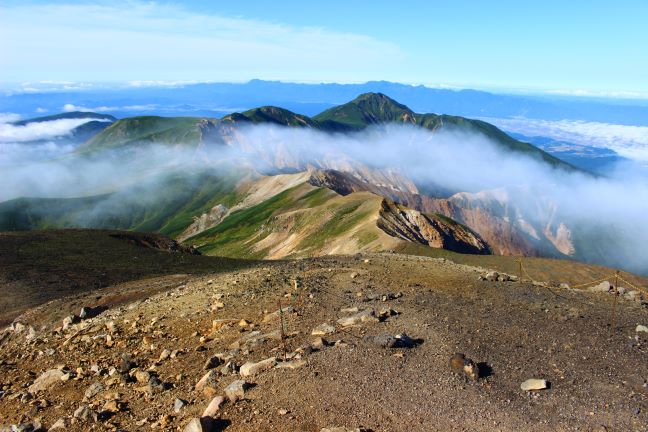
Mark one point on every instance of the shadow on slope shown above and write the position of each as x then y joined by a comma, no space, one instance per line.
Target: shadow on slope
39,266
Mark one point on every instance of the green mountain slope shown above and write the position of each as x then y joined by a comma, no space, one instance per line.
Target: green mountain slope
162,204
376,108
273,115
305,220
367,109
151,129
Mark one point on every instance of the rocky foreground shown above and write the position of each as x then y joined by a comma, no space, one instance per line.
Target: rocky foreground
330,344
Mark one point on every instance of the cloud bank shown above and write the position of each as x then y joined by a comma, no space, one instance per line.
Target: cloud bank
628,141
35,131
605,215
35,141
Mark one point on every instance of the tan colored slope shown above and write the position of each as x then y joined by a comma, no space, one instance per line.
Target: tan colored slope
304,220
253,190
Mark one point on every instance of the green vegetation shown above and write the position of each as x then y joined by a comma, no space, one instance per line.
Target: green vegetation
315,216
233,236
274,115
165,204
149,129
343,218
376,108
366,109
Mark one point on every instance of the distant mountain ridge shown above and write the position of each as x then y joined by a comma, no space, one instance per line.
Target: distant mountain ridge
216,99
222,216
365,110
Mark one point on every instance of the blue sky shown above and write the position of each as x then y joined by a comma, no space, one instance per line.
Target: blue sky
575,47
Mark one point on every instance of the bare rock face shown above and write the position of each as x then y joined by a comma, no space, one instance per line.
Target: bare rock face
429,229
205,221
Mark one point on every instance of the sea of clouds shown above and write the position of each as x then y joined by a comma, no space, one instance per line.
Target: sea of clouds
605,208
628,141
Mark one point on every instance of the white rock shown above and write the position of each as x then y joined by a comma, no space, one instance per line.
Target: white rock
641,328
208,379
277,314
236,390
367,315
62,423
93,390
632,295
213,407
602,287
178,404
84,413
293,364
533,384
251,369
68,321
323,329
165,354
205,424
491,276
17,327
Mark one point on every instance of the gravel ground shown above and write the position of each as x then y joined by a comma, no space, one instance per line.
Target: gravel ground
515,331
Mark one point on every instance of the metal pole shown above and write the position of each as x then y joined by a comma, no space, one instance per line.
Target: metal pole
283,334
616,298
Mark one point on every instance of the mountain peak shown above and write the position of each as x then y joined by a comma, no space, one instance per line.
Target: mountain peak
272,114
366,109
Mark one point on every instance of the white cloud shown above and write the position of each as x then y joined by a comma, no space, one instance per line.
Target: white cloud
628,141
128,41
8,117
41,110
39,130
12,154
72,107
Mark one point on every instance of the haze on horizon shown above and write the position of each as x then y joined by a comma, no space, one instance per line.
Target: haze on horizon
577,48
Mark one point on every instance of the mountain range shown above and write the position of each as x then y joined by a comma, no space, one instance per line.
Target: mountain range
297,208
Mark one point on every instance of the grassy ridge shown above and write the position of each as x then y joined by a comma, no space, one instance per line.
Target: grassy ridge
367,109
164,204
315,217
147,129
